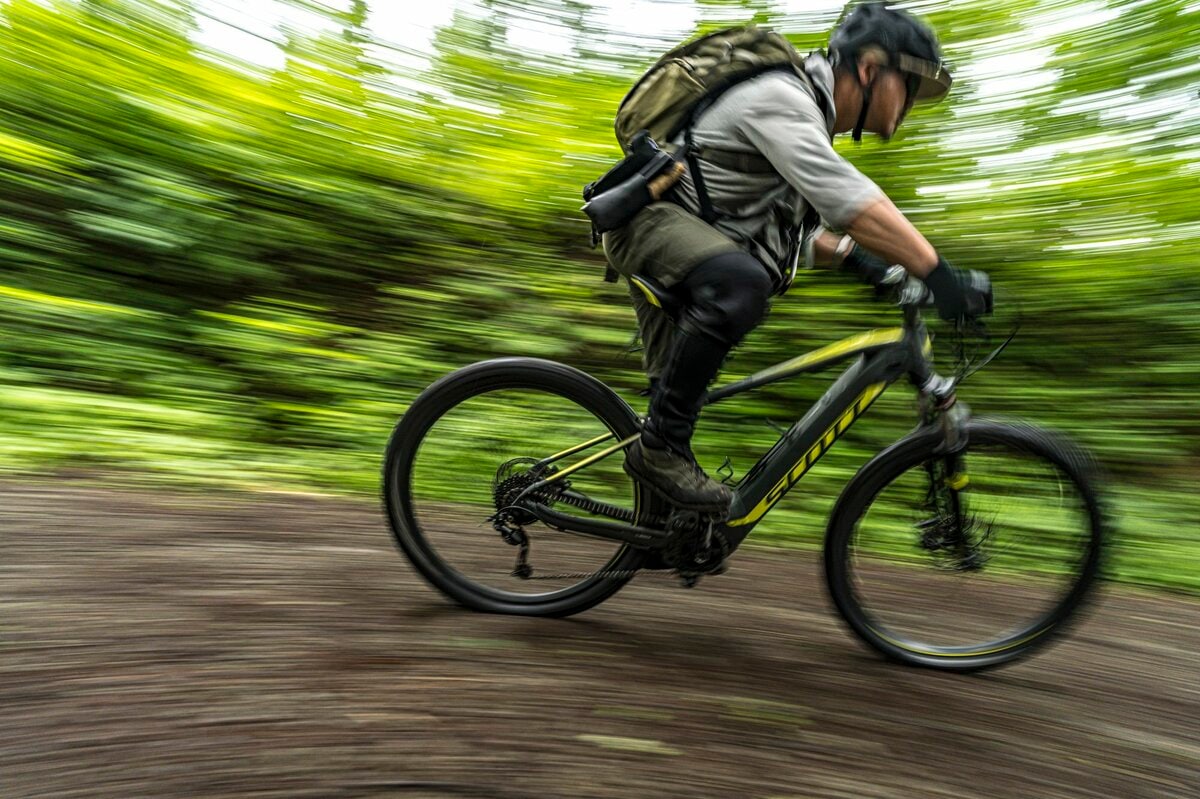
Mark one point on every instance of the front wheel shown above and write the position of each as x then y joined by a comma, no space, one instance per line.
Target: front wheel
466,450
971,561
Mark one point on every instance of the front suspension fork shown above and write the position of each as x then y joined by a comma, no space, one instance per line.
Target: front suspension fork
945,498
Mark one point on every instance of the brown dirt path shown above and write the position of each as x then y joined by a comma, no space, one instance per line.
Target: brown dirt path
170,645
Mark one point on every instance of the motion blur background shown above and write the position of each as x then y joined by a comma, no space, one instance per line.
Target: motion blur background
239,237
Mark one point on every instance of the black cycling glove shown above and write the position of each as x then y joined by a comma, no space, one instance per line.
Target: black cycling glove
957,294
872,270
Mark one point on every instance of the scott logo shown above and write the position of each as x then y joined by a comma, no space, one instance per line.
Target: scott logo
814,453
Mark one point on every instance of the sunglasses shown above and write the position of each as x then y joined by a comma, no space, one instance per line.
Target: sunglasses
912,84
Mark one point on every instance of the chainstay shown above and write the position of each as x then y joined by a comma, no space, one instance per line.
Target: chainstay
613,512
605,509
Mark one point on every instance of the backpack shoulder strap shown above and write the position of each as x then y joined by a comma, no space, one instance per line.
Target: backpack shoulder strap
750,163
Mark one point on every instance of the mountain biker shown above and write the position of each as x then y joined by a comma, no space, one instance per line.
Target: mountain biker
880,62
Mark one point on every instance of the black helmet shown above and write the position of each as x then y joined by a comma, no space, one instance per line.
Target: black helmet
910,45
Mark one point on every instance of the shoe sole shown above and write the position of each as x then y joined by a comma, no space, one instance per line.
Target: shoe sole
722,508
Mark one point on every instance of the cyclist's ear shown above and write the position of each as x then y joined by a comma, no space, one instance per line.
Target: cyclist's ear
867,72
867,65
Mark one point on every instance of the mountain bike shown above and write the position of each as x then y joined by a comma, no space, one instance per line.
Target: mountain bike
964,545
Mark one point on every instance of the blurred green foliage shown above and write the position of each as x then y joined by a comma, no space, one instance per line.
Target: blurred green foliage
228,274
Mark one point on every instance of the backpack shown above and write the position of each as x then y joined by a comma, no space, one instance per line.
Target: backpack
666,101
688,79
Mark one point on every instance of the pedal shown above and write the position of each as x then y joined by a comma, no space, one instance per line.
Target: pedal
695,546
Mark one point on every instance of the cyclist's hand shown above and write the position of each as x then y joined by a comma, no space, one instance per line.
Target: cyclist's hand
978,290
959,295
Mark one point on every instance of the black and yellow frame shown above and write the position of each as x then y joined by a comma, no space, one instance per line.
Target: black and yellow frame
881,358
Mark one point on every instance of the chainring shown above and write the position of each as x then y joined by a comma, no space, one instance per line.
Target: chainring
695,545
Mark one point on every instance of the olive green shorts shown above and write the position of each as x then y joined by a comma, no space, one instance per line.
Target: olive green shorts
664,242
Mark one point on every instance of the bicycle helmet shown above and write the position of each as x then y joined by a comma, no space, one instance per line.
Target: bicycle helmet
910,46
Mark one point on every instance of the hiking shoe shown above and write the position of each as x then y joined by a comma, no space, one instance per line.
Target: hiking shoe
677,478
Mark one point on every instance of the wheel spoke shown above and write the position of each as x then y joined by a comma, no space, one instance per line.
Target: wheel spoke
910,583
469,454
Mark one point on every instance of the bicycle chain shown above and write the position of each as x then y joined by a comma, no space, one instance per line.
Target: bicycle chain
612,575
624,573
604,509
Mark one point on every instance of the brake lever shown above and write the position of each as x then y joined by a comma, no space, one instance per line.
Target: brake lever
991,355
965,367
962,363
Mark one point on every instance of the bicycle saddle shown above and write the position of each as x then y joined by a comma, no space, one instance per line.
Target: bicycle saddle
658,295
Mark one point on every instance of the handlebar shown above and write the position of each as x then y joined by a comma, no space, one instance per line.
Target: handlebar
912,295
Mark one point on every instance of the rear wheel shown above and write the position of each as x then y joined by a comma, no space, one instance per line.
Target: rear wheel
972,569
470,444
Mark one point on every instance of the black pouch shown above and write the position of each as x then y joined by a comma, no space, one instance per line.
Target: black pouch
617,196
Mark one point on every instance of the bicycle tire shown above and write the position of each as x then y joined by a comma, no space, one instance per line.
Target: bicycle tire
438,399
910,452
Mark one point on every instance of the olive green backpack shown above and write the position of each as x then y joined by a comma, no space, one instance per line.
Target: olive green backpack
667,99
671,96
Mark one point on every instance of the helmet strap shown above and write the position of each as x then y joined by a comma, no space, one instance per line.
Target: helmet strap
862,114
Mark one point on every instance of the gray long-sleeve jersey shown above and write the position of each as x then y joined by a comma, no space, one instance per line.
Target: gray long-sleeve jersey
777,115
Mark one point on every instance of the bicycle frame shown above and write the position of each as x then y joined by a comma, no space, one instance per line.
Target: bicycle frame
884,356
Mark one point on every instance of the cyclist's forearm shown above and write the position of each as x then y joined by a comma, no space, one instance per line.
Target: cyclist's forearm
883,230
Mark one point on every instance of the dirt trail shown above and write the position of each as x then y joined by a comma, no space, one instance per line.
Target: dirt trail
170,645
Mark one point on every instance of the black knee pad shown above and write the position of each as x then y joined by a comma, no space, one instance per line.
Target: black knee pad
727,296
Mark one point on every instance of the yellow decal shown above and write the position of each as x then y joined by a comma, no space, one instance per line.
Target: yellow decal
832,352
814,453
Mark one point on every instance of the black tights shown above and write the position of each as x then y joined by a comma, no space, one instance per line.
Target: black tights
726,297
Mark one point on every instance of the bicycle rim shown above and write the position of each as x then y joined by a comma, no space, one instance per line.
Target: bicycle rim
934,591
484,448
